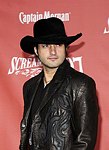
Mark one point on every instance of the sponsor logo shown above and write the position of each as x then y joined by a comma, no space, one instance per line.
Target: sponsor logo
31,66
33,17
106,29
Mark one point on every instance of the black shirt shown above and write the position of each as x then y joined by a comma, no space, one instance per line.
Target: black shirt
36,104
38,98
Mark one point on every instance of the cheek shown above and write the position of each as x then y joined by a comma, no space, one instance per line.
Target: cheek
42,53
42,56
62,53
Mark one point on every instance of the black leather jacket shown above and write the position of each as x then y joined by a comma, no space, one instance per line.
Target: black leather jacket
71,119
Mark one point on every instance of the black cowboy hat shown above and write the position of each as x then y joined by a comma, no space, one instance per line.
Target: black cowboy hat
47,31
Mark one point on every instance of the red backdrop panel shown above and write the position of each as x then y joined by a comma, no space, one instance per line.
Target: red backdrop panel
89,55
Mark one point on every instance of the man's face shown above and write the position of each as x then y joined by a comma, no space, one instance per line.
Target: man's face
51,55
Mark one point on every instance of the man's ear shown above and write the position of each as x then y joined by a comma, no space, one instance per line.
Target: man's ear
67,47
66,50
35,51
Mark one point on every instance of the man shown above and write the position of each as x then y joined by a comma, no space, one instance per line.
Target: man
60,104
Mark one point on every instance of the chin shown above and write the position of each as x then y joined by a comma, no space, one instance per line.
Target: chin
52,65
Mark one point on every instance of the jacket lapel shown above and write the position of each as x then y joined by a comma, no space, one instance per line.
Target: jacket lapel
55,84
51,90
33,96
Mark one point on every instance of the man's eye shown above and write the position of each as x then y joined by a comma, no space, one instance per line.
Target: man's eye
45,45
59,45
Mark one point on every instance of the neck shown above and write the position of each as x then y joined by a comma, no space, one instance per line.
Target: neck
48,75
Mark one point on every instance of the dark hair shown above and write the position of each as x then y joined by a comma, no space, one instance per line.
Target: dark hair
37,46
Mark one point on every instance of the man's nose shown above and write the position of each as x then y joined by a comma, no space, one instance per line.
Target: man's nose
53,49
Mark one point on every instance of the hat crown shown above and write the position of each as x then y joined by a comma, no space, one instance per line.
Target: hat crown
47,31
49,27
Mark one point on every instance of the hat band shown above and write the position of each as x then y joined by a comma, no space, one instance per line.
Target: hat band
51,35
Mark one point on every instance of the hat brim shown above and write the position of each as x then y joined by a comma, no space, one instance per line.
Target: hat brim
28,42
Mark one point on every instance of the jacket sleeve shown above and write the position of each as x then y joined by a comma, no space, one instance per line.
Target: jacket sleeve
23,143
85,116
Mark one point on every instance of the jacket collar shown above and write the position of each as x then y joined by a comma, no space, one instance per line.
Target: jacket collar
62,72
59,77
55,84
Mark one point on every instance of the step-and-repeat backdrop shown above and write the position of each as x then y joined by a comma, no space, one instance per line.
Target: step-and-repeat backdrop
90,54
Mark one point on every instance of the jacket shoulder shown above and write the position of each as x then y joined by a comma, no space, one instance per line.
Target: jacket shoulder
29,88
33,80
80,77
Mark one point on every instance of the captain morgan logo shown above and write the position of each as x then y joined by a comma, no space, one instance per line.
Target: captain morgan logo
33,17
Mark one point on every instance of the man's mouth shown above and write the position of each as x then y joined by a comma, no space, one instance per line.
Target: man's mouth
52,58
